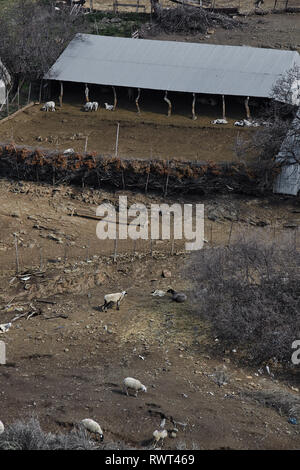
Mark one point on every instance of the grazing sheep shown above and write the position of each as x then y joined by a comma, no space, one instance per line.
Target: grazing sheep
219,121
110,299
133,384
50,105
177,296
93,427
109,107
69,151
95,105
246,123
88,106
160,434
1,427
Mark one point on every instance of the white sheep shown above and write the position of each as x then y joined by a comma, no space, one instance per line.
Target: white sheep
93,427
133,384
50,105
160,434
95,105
88,106
1,427
109,107
219,121
113,299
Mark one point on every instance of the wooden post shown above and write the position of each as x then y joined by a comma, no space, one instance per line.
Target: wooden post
230,232
85,146
18,97
29,92
115,249
91,5
115,97
41,258
167,181
137,5
147,180
248,114
86,91
61,94
169,103
194,117
137,101
117,139
17,254
40,92
224,107
172,246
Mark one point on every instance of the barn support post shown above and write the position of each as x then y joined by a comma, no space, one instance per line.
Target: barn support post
248,114
224,107
194,117
169,103
40,91
86,91
61,94
18,97
29,92
137,101
115,97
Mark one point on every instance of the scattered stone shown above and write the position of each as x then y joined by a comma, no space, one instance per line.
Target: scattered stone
166,273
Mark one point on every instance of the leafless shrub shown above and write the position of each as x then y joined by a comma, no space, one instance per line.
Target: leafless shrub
285,403
280,118
249,292
190,19
28,435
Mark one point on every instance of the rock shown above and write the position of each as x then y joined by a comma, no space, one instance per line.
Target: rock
166,273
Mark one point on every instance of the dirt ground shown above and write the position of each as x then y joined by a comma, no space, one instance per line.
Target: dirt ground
69,360
276,31
245,6
152,134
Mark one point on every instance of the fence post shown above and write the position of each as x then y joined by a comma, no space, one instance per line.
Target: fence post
115,249
29,92
17,254
229,238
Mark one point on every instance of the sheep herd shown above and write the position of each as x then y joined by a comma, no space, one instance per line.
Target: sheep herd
89,106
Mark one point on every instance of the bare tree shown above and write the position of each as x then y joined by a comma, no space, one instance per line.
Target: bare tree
33,34
280,120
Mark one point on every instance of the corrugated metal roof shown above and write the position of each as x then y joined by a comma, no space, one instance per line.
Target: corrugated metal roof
172,65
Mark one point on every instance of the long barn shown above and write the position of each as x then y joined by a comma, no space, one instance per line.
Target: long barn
172,66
